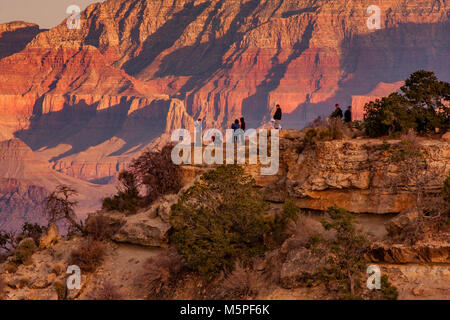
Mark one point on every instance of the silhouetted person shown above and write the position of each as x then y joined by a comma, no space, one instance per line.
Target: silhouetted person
243,123
348,115
235,126
277,117
337,114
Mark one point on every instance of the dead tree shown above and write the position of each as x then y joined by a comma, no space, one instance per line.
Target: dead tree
60,206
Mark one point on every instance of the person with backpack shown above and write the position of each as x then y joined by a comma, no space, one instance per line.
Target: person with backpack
337,113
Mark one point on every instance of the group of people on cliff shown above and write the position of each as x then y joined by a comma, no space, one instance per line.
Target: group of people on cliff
276,120
239,124
338,114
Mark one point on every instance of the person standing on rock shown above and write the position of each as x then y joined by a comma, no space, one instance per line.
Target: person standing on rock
243,123
235,126
277,117
337,114
243,130
348,115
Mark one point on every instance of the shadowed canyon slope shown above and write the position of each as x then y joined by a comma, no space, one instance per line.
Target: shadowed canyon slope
90,99
25,181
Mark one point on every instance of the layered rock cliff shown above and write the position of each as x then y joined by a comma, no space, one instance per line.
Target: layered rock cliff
358,175
218,60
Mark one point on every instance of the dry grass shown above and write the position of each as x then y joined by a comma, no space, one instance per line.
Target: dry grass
241,284
108,291
89,256
98,227
161,275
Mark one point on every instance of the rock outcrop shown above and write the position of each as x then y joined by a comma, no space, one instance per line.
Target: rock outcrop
422,252
148,228
354,175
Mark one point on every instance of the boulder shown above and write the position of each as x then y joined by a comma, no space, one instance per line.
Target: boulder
446,137
425,252
396,225
164,207
144,231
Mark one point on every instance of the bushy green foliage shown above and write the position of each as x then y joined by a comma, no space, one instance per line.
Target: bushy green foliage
419,106
388,115
24,251
30,230
332,131
345,253
127,198
222,219
280,221
388,291
148,177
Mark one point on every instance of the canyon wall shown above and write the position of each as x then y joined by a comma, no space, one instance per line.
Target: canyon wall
90,99
25,182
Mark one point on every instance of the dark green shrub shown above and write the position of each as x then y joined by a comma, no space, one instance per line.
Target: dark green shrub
345,254
388,290
389,115
30,230
24,251
419,105
222,219
127,198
